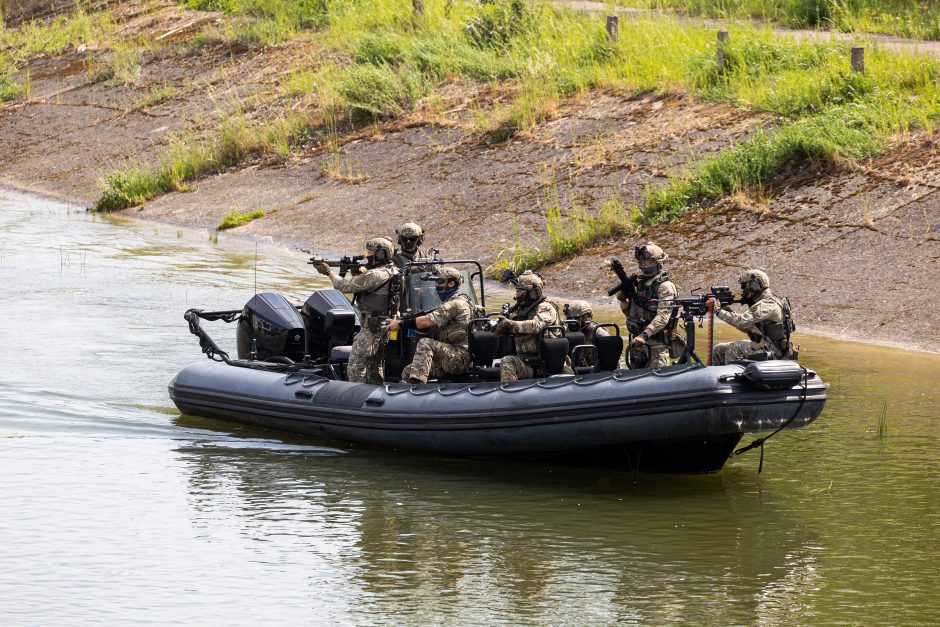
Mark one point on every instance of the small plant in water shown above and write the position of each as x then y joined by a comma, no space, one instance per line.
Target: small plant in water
883,421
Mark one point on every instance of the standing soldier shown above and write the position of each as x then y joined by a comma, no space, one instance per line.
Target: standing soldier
449,353
372,297
649,309
767,322
533,312
410,237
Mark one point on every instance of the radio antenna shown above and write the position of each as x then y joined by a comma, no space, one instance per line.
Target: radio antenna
256,268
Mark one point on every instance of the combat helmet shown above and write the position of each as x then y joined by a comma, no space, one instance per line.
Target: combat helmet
382,248
756,280
410,236
532,283
578,308
650,258
448,273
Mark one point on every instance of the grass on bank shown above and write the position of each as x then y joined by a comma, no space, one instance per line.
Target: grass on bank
19,45
386,61
235,218
917,19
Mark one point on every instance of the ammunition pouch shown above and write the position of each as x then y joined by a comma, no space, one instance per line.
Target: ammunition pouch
639,356
676,346
374,323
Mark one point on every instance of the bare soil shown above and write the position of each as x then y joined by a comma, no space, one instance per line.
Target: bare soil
854,245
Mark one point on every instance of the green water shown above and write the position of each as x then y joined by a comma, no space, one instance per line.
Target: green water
117,510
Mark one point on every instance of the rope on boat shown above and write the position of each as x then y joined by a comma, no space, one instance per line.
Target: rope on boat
760,441
540,383
215,353
206,343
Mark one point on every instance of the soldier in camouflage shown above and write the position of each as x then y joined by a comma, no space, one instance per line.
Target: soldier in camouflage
649,311
371,296
448,353
532,313
767,322
582,312
410,238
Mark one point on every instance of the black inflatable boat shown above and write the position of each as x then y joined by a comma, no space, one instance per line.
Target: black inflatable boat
688,417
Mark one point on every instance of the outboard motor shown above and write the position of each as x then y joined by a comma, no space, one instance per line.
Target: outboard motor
271,327
330,320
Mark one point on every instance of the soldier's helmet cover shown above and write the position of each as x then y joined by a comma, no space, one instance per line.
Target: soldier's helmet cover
449,272
376,244
759,277
410,236
578,308
532,283
650,251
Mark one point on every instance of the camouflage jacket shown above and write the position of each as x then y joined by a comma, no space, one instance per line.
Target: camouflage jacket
370,290
452,319
650,308
765,316
527,329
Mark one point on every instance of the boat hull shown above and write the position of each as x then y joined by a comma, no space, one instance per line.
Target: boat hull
679,418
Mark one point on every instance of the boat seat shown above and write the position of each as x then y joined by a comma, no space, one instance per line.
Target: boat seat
484,347
553,351
609,349
575,339
583,358
340,353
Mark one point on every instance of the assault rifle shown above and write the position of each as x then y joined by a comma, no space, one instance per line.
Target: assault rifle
627,285
344,263
508,276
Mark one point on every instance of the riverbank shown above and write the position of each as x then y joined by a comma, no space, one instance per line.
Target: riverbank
851,240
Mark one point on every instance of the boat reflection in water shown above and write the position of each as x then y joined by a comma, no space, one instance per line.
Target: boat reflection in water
429,540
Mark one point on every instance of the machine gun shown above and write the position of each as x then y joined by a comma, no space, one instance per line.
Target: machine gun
697,306
688,309
628,284
344,263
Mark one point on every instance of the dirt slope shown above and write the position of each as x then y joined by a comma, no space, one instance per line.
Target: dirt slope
855,246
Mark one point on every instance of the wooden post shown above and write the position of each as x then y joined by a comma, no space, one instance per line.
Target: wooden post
613,28
722,40
418,6
858,59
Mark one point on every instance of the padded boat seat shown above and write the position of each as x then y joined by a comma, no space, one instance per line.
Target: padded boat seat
484,347
553,351
609,350
583,358
575,339
340,353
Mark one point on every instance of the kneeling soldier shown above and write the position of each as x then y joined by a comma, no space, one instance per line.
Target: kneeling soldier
532,314
767,322
448,354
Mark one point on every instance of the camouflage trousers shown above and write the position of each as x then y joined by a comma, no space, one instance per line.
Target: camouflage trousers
727,352
514,368
434,358
367,357
656,352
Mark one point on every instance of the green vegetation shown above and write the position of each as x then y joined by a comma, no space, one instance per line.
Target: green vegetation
909,18
18,46
236,218
157,95
379,61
